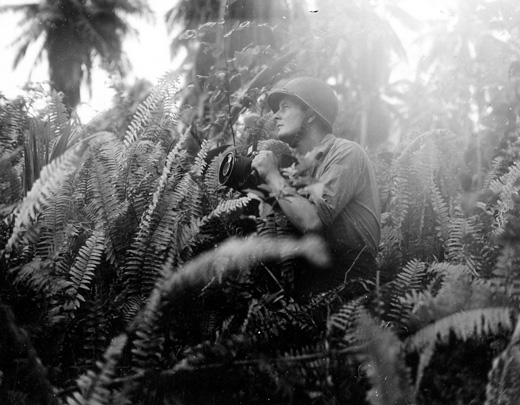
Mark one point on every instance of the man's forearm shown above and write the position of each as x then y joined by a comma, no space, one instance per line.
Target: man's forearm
298,210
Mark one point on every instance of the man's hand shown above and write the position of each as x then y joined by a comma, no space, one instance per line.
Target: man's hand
301,212
266,165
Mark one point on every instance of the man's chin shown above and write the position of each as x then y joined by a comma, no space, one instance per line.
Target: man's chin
287,138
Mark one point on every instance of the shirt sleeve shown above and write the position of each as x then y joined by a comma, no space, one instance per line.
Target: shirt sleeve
340,174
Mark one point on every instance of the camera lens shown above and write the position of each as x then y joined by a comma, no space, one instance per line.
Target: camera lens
227,165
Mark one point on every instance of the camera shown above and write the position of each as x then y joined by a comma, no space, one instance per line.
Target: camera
235,170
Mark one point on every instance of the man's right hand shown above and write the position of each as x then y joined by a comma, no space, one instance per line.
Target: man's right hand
266,165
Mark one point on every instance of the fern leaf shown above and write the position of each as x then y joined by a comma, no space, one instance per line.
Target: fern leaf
346,320
51,177
502,387
82,271
441,210
96,387
200,161
229,206
147,345
383,361
410,278
236,257
54,222
156,110
473,323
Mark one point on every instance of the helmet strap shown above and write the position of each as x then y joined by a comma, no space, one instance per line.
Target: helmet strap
303,127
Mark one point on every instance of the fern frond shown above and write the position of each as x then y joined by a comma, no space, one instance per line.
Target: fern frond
157,110
229,206
211,183
494,172
143,163
158,226
346,320
55,221
59,124
200,161
147,345
474,323
96,387
383,361
82,271
236,257
39,277
410,278
103,201
504,186
441,210
51,177
502,387
506,277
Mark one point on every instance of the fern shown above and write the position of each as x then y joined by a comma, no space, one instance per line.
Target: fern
156,227
143,160
39,277
410,279
505,274
55,221
383,361
502,387
157,110
441,210
346,320
51,177
96,387
200,164
82,271
504,186
147,345
103,205
474,323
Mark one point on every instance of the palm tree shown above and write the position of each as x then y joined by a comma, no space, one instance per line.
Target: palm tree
74,32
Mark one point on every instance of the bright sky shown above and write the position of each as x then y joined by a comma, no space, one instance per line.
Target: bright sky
149,54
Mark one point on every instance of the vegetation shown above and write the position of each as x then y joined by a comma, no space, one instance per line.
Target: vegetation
72,33
130,275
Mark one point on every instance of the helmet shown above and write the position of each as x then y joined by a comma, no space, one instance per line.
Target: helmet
313,93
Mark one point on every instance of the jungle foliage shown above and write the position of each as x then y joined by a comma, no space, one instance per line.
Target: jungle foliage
129,275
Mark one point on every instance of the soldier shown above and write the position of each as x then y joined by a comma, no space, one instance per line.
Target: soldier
347,213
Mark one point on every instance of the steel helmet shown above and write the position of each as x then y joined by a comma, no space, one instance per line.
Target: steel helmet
313,93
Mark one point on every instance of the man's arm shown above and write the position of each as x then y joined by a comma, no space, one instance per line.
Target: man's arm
298,210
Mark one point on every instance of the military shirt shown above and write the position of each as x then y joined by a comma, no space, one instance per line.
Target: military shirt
349,205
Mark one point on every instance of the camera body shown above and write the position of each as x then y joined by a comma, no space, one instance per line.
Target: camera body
235,170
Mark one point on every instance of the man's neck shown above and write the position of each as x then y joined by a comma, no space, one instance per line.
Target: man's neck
310,139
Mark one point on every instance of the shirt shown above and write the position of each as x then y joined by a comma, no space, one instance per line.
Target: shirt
349,206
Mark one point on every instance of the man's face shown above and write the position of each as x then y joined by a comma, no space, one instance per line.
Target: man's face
288,119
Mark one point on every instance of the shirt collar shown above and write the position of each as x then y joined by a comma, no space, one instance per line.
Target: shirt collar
324,146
